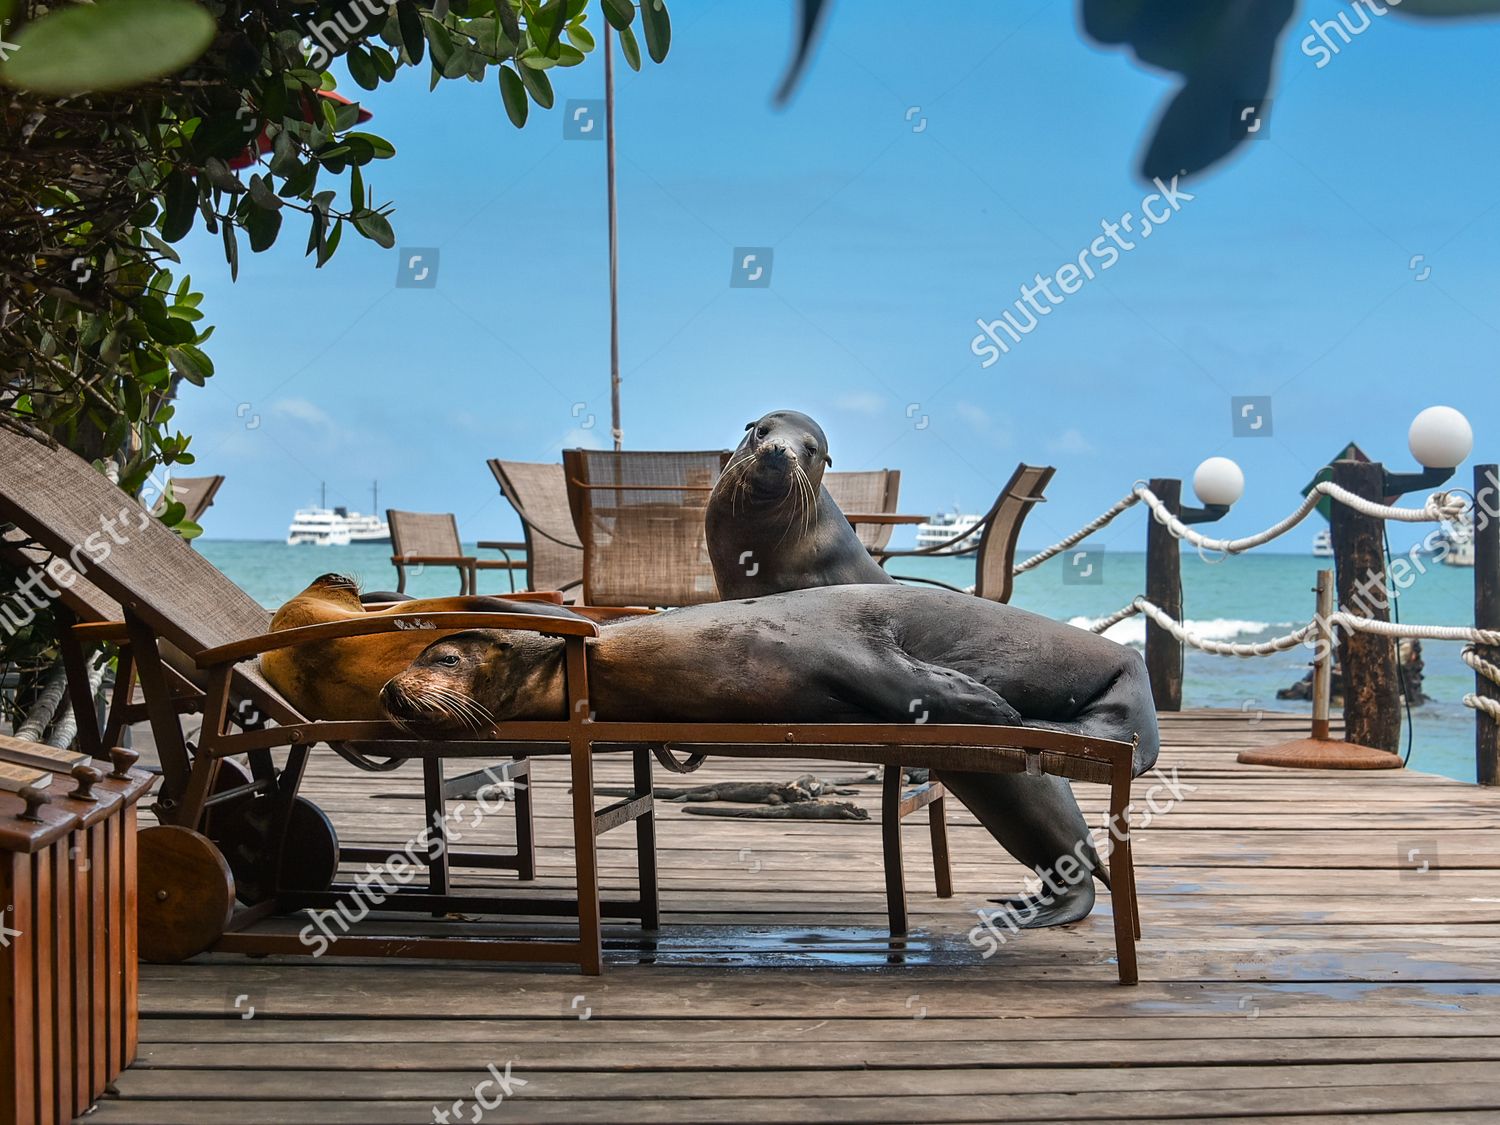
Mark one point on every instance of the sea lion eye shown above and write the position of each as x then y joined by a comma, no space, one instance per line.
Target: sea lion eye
762,431
448,660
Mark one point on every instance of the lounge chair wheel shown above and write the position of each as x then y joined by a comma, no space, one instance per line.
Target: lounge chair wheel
186,893
309,862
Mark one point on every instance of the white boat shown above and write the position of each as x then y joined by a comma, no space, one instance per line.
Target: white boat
947,525
323,526
1323,544
1456,545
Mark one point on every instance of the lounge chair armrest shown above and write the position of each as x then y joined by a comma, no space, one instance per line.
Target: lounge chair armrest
884,518
114,632
391,623
432,560
501,545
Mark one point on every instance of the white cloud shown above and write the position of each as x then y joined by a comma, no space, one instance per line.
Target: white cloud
861,402
976,416
1071,442
301,410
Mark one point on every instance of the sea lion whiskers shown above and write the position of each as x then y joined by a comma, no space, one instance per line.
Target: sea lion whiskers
467,710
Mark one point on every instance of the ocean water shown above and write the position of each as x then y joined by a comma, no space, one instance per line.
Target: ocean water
1247,598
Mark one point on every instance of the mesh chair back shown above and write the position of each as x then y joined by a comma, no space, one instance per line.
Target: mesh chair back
993,566
196,494
539,494
640,517
872,491
423,533
75,512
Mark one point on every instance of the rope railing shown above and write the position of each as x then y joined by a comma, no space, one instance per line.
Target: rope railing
1440,506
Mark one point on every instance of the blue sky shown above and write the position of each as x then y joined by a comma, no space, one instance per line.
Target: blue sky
920,177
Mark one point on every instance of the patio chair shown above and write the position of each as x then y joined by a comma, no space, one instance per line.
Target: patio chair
423,539
640,517
996,536
196,493
870,492
539,494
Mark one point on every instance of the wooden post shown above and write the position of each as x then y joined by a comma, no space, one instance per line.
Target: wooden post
1322,688
1372,703
1164,587
1487,614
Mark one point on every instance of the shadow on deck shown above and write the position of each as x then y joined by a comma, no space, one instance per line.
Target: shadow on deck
1316,946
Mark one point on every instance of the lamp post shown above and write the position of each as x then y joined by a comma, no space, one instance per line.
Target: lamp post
1440,438
1218,484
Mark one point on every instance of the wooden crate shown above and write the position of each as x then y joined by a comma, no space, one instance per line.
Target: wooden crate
69,1005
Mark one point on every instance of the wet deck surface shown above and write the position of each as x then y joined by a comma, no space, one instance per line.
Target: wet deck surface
1317,946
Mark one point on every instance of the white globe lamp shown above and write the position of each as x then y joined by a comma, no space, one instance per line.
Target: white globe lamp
1219,482
1440,437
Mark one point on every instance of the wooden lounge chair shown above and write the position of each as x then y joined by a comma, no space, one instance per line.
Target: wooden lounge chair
640,517
996,536
872,491
423,539
173,598
539,494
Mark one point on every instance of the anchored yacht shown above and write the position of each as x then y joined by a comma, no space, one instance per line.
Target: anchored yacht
323,526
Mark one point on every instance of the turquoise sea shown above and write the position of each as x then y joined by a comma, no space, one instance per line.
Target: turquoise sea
1246,598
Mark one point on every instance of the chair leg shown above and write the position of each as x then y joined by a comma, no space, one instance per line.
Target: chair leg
400,579
437,824
586,859
937,823
525,827
1122,894
645,845
890,837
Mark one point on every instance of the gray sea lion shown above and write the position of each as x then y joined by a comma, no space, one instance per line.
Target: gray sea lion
837,654
771,524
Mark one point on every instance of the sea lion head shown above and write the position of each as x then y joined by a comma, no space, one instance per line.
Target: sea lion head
337,588
460,683
782,457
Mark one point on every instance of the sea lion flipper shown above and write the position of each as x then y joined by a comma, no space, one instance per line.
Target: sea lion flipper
930,693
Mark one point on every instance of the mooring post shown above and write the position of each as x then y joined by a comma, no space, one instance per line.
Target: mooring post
1322,686
1372,703
1486,517
1164,587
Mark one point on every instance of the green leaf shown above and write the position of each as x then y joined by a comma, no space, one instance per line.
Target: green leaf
630,49
546,27
107,46
374,226
191,364
411,30
232,251
175,510
619,13
362,69
181,195
581,38
331,243
262,227
384,150
187,529
513,93
658,28
356,189
385,63
538,85
568,55
262,195
160,247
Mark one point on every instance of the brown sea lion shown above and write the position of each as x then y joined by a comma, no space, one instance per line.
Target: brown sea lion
341,679
856,653
771,525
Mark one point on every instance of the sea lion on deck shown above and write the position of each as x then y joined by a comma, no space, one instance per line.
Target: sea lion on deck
855,653
771,525
341,679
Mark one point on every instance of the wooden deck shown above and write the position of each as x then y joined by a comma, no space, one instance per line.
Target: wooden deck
1295,966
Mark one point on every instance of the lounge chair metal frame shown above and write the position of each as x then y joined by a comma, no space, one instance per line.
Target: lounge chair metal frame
996,536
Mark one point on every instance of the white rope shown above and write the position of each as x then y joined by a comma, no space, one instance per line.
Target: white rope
1078,536
46,705
1356,624
1104,624
1440,506
1491,672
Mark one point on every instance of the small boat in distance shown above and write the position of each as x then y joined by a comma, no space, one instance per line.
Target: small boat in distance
323,526
1323,544
947,525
